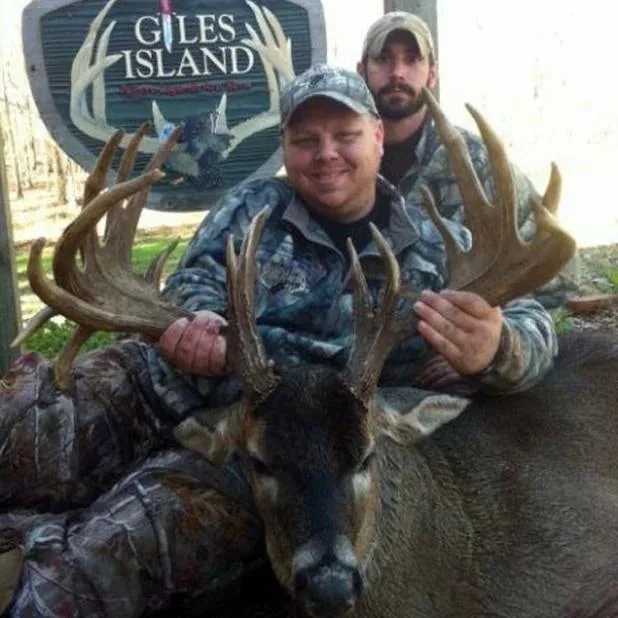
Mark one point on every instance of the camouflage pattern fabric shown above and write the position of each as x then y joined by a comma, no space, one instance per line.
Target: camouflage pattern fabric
120,522
332,82
304,295
433,170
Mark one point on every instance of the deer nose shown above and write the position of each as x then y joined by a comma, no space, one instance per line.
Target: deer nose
328,590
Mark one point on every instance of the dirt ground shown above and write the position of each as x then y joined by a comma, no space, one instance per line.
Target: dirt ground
599,275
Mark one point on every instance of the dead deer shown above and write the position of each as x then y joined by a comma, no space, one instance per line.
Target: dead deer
393,502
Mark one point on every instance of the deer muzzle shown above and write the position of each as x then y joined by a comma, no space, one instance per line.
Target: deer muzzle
327,581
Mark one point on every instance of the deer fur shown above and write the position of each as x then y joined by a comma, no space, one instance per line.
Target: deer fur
510,509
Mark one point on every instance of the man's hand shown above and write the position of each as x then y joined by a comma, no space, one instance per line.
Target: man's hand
196,346
462,327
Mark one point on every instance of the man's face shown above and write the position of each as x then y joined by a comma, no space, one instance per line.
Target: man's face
332,156
397,75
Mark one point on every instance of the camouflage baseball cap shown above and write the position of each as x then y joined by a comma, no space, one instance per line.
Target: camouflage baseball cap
398,20
322,80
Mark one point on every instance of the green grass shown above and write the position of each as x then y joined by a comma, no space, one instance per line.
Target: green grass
50,339
563,320
612,277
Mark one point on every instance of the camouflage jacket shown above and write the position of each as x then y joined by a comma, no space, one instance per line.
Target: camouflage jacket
433,170
304,295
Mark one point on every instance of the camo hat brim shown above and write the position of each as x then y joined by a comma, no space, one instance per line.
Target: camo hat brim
322,80
391,22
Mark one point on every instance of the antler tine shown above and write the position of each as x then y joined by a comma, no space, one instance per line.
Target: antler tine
34,323
121,223
125,169
499,266
66,275
551,199
95,183
247,355
154,273
64,360
375,334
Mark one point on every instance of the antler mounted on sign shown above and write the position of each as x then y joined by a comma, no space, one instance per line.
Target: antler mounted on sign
214,140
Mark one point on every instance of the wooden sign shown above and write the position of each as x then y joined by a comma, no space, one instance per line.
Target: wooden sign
214,66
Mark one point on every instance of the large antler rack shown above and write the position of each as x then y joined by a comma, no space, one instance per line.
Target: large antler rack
499,266
99,291
105,295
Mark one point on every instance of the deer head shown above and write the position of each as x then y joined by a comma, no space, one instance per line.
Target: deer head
309,435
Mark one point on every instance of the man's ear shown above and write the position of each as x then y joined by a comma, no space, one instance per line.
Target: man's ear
409,424
380,135
360,69
216,445
432,79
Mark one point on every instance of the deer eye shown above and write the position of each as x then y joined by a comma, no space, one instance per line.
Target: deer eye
259,467
366,463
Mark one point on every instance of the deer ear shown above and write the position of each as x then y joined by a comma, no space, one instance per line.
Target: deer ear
420,417
216,443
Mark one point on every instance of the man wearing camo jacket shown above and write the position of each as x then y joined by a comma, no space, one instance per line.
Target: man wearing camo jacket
398,58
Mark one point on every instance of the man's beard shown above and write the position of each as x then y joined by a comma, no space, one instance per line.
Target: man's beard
399,109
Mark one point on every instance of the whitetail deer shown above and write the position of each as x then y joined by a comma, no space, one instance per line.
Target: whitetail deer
389,502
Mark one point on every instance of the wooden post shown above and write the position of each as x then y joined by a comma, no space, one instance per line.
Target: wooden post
10,312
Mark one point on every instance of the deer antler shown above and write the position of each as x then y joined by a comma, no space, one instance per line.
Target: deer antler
246,353
86,72
499,266
273,48
103,293
276,53
375,334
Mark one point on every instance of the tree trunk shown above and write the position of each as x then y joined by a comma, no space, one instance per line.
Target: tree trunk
9,295
10,137
61,178
32,141
50,163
